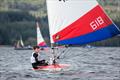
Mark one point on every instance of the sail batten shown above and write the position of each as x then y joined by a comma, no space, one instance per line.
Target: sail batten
78,22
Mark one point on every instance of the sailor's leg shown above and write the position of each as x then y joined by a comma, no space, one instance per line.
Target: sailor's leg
43,63
34,65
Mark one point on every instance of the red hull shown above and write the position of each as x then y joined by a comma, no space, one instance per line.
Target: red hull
53,67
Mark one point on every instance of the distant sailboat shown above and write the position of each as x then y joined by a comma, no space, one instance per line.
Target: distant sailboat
77,22
40,39
20,45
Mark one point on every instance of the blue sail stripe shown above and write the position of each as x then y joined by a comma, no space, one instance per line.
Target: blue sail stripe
98,35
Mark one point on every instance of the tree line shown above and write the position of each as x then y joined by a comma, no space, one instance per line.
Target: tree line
16,24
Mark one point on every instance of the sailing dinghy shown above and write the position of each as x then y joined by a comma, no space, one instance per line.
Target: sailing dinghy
77,22
40,39
20,45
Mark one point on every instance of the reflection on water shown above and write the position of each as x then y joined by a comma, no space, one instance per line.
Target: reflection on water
100,63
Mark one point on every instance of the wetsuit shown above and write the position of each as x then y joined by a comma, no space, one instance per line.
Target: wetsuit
35,62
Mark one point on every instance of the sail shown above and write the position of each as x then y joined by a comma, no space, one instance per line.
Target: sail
78,22
40,40
21,42
18,44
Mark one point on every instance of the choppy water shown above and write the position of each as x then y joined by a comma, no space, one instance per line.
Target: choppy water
101,63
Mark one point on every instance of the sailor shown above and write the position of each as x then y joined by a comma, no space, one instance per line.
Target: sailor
34,58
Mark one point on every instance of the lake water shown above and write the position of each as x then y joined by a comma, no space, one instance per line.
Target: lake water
97,63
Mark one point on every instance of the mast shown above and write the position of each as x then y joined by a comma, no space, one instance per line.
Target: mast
54,55
53,58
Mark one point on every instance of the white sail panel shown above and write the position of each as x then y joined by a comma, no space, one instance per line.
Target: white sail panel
62,13
21,41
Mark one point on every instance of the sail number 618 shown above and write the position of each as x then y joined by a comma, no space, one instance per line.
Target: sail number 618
96,23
